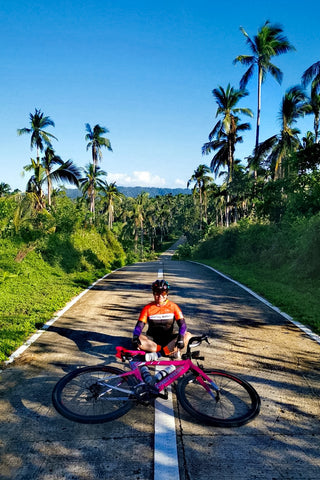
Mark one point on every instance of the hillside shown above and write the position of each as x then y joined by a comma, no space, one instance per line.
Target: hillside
135,191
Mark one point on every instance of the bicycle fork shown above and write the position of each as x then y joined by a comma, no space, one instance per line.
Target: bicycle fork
210,387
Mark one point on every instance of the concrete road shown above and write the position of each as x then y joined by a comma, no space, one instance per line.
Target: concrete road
247,338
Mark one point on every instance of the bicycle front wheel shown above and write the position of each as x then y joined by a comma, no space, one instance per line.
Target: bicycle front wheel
235,404
93,394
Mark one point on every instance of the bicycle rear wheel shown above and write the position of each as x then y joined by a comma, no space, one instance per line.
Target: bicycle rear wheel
86,395
236,403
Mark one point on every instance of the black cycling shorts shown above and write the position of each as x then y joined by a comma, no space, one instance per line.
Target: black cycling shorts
162,340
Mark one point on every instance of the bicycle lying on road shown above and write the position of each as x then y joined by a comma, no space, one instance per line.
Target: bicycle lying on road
103,393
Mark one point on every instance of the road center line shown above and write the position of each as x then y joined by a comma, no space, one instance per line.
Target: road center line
166,466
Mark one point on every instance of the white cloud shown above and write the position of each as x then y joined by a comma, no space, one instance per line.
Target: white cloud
180,183
136,179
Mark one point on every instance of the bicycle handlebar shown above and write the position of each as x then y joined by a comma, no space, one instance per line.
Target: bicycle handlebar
196,341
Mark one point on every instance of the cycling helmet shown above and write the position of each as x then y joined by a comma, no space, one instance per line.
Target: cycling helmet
160,286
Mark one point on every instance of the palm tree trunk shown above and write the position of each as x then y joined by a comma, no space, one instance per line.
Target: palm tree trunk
200,202
141,239
228,211
259,106
316,128
49,186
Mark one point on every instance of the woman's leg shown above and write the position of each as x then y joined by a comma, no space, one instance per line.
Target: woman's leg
148,345
171,347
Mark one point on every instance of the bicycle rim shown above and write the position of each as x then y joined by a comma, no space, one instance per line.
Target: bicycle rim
86,395
237,402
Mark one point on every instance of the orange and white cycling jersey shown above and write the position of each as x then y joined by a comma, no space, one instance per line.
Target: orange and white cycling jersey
161,317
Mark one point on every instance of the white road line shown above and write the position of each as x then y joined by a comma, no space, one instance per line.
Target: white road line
166,466
305,329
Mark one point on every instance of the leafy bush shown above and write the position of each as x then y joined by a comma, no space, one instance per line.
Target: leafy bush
280,261
183,252
38,278
307,262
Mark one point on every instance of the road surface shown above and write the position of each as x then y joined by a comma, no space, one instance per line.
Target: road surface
247,338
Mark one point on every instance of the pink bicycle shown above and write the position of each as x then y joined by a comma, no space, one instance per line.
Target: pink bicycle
102,393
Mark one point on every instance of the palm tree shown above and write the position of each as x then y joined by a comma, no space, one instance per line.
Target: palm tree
4,189
313,107
96,141
201,179
268,43
293,106
24,211
35,183
39,137
66,171
111,192
227,128
308,140
136,218
312,74
91,182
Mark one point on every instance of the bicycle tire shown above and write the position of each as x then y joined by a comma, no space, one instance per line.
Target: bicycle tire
79,397
238,401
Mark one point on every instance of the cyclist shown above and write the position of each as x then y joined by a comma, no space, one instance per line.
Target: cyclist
161,316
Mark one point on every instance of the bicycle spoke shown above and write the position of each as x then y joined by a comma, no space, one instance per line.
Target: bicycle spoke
236,401
93,395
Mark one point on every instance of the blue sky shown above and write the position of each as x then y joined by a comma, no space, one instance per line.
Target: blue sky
145,70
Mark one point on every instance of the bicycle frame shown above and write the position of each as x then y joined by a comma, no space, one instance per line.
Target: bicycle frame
182,367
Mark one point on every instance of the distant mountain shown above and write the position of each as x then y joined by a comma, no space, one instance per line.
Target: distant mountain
153,191
134,191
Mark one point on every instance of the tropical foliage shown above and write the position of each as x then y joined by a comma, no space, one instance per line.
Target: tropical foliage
260,211
269,42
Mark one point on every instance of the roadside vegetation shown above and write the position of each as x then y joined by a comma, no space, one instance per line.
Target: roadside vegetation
256,219
260,223
281,262
47,257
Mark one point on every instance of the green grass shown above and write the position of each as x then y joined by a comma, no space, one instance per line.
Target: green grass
281,262
37,280
298,298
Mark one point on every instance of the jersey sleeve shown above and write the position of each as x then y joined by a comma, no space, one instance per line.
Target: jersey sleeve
178,315
144,314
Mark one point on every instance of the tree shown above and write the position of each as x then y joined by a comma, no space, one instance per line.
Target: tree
312,74
110,192
92,181
66,171
268,43
308,156
4,189
227,128
39,137
201,179
313,107
35,182
96,141
139,211
293,106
